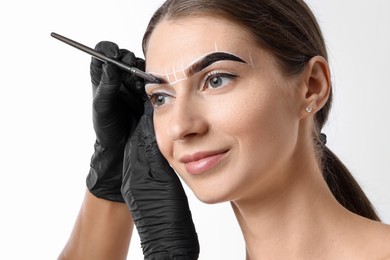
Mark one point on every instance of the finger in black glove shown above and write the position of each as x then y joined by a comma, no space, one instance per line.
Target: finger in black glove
117,107
156,198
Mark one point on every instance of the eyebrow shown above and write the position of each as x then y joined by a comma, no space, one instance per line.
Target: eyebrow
205,62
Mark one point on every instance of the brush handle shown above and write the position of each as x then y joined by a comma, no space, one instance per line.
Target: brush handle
102,57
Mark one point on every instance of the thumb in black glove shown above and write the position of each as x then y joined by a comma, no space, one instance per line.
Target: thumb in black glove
156,198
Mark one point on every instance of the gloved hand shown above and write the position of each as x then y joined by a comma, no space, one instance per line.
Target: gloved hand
156,198
118,99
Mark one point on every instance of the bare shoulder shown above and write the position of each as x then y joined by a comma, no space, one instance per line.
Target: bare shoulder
384,239
376,238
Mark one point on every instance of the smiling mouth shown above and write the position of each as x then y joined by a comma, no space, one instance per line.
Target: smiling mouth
199,163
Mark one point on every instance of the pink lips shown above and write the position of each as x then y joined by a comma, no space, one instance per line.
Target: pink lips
202,162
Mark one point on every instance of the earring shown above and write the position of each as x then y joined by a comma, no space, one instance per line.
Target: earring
309,109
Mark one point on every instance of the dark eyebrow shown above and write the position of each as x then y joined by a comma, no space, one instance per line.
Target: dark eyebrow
210,59
205,62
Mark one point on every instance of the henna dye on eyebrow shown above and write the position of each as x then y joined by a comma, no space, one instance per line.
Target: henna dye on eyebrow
204,62
212,58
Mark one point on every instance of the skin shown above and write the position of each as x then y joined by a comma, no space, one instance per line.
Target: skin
102,231
247,139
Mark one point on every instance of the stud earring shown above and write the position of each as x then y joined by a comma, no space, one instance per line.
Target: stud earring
309,109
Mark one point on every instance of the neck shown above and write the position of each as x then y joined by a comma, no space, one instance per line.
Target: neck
295,220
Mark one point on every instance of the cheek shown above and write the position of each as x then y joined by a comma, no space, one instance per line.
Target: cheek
244,113
260,120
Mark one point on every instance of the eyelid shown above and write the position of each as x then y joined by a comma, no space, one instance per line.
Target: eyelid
154,96
158,89
149,87
215,73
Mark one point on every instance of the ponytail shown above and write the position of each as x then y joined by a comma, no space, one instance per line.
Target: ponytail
344,187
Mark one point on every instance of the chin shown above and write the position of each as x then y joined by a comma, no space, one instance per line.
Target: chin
208,190
211,197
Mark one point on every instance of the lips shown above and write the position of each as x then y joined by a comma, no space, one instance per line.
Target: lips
201,162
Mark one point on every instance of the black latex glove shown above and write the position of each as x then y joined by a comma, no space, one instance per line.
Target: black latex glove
117,107
156,198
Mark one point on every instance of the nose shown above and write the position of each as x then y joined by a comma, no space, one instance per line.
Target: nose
187,120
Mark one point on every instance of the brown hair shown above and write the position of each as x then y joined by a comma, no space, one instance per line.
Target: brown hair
290,31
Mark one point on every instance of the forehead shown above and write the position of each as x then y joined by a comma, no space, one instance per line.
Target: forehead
180,42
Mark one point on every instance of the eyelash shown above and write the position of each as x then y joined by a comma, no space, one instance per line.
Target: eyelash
215,74
153,97
205,85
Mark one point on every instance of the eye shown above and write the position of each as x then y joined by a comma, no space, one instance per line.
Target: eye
159,99
217,80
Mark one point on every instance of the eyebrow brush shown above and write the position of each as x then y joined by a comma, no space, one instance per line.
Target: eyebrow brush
102,57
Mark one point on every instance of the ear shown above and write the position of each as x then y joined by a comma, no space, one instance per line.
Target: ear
317,85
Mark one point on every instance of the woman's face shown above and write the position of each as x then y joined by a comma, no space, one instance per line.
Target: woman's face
225,117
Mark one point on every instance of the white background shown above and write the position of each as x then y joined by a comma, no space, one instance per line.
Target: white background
46,134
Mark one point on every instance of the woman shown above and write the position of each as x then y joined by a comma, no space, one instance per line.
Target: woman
244,125
244,92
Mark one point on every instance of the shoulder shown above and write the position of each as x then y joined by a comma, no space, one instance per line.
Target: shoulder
384,240
375,237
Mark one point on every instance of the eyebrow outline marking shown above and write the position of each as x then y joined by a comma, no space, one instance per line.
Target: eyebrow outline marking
251,60
204,62
184,71
216,47
174,73
167,75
